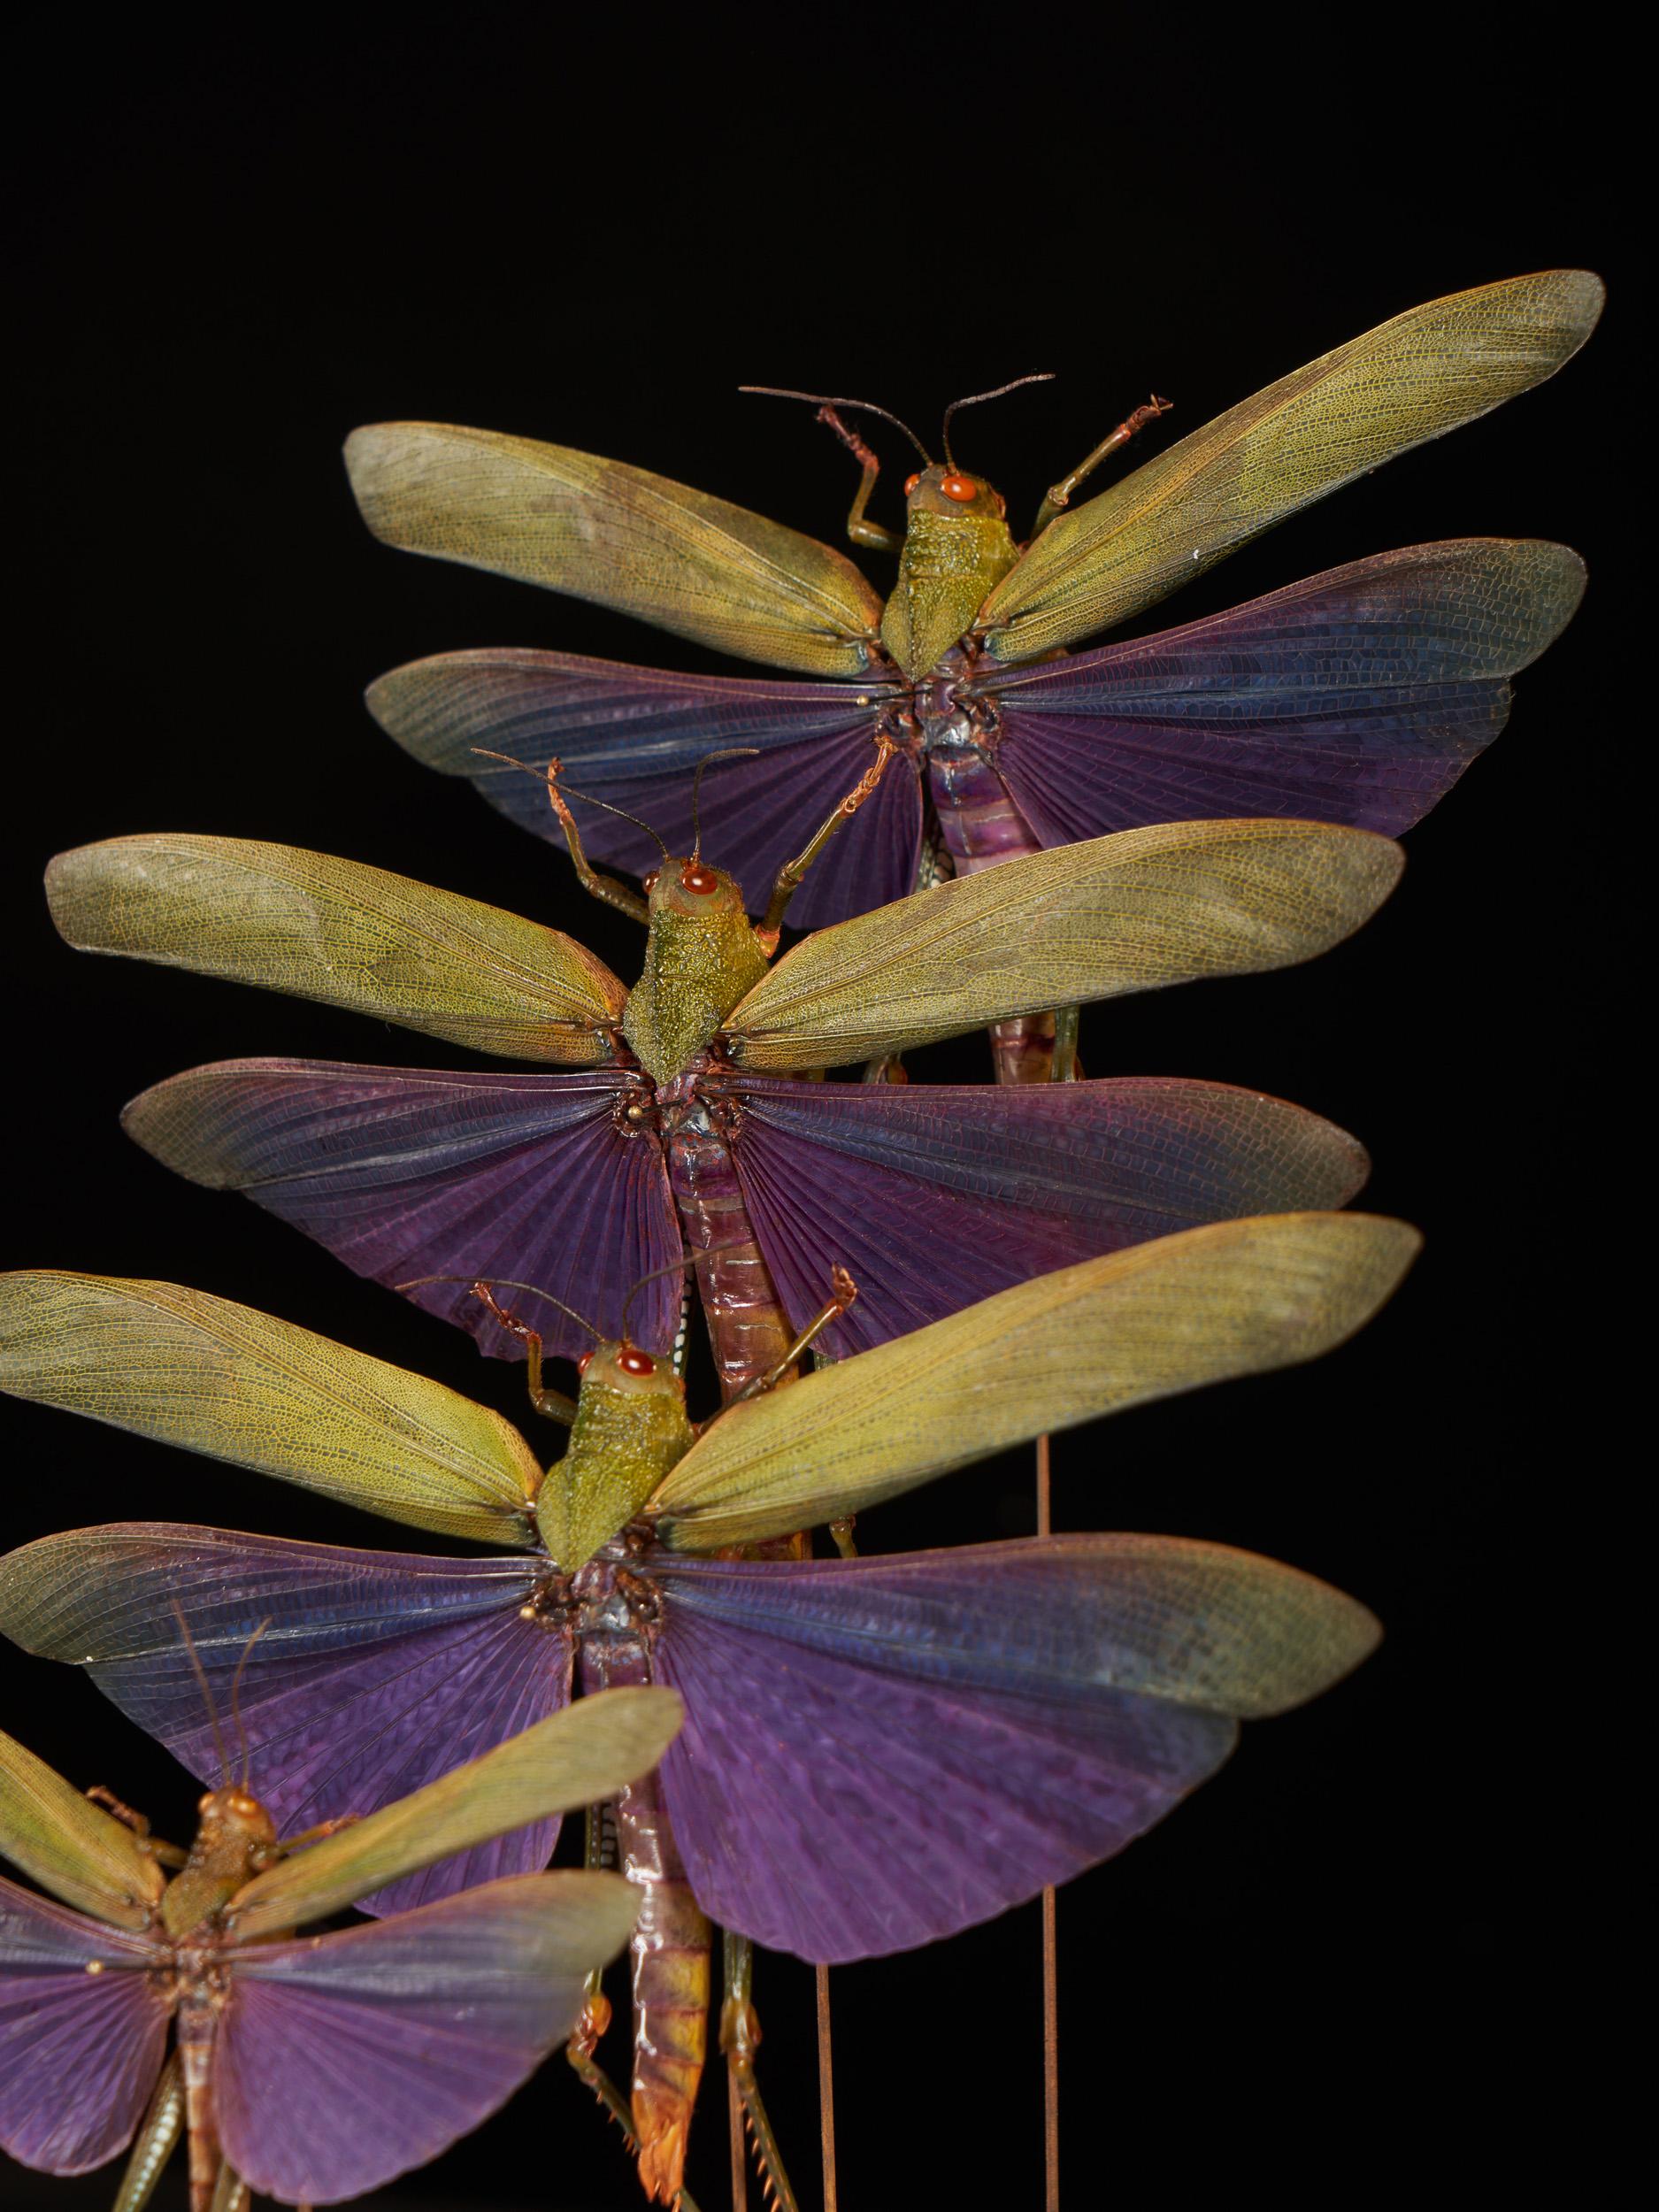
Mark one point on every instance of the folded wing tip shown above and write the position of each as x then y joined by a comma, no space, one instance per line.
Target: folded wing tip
652,1715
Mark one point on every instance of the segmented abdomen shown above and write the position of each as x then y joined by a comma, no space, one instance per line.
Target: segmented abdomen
747,1327
668,1951
981,826
197,2024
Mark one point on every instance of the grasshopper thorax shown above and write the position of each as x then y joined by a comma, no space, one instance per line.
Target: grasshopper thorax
235,1837
631,1428
701,956
956,550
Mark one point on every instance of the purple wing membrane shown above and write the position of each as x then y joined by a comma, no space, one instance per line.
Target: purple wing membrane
402,1173
1358,696
345,2059
633,737
373,1673
879,1753
82,2031
933,1195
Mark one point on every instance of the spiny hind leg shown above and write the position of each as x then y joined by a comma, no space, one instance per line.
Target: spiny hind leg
740,2039
596,2018
156,2138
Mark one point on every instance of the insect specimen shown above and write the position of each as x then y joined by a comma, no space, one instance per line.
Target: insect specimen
315,2067
1020,1709
1357,696
933,1196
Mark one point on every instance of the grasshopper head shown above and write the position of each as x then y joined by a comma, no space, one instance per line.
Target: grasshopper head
939,490
230,1816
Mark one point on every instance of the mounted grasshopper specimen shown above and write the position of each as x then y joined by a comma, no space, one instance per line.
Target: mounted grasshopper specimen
683,1126
311,2069
1021,1709
1358,696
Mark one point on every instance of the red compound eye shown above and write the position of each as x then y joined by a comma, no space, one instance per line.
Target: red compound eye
957,487
632,1360
911,482
694,877
648,883
584,1363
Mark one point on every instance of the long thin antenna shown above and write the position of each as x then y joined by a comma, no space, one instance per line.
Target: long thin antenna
571,792
506,1282
1037,376
726,752
235,1706
822,399
200,1672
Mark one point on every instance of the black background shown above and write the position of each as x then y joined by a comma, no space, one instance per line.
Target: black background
227,257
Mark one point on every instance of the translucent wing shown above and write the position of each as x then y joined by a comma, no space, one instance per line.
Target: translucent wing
1236,1298
355,1677
1357,696
328,929
344,2060
1145,908
83,2025
635,737
576,1758
600,530
71,1845
1426,373
1015,1711
402,1172
240,1386
932,1195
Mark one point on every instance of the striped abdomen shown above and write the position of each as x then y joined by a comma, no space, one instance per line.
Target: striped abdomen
981,826
197,2024
747,1327
668,1951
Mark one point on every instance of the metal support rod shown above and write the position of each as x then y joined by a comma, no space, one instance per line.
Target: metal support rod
1051,1953
825,2088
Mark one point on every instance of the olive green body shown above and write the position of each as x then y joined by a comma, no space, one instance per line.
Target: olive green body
956,553
628,1432
235,1838
701,956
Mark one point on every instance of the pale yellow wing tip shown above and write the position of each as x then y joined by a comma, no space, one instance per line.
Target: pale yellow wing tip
1584,294
372,444
1351,1633
1381,859
66,876
654,1713
374,451
1393,1246
78,887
